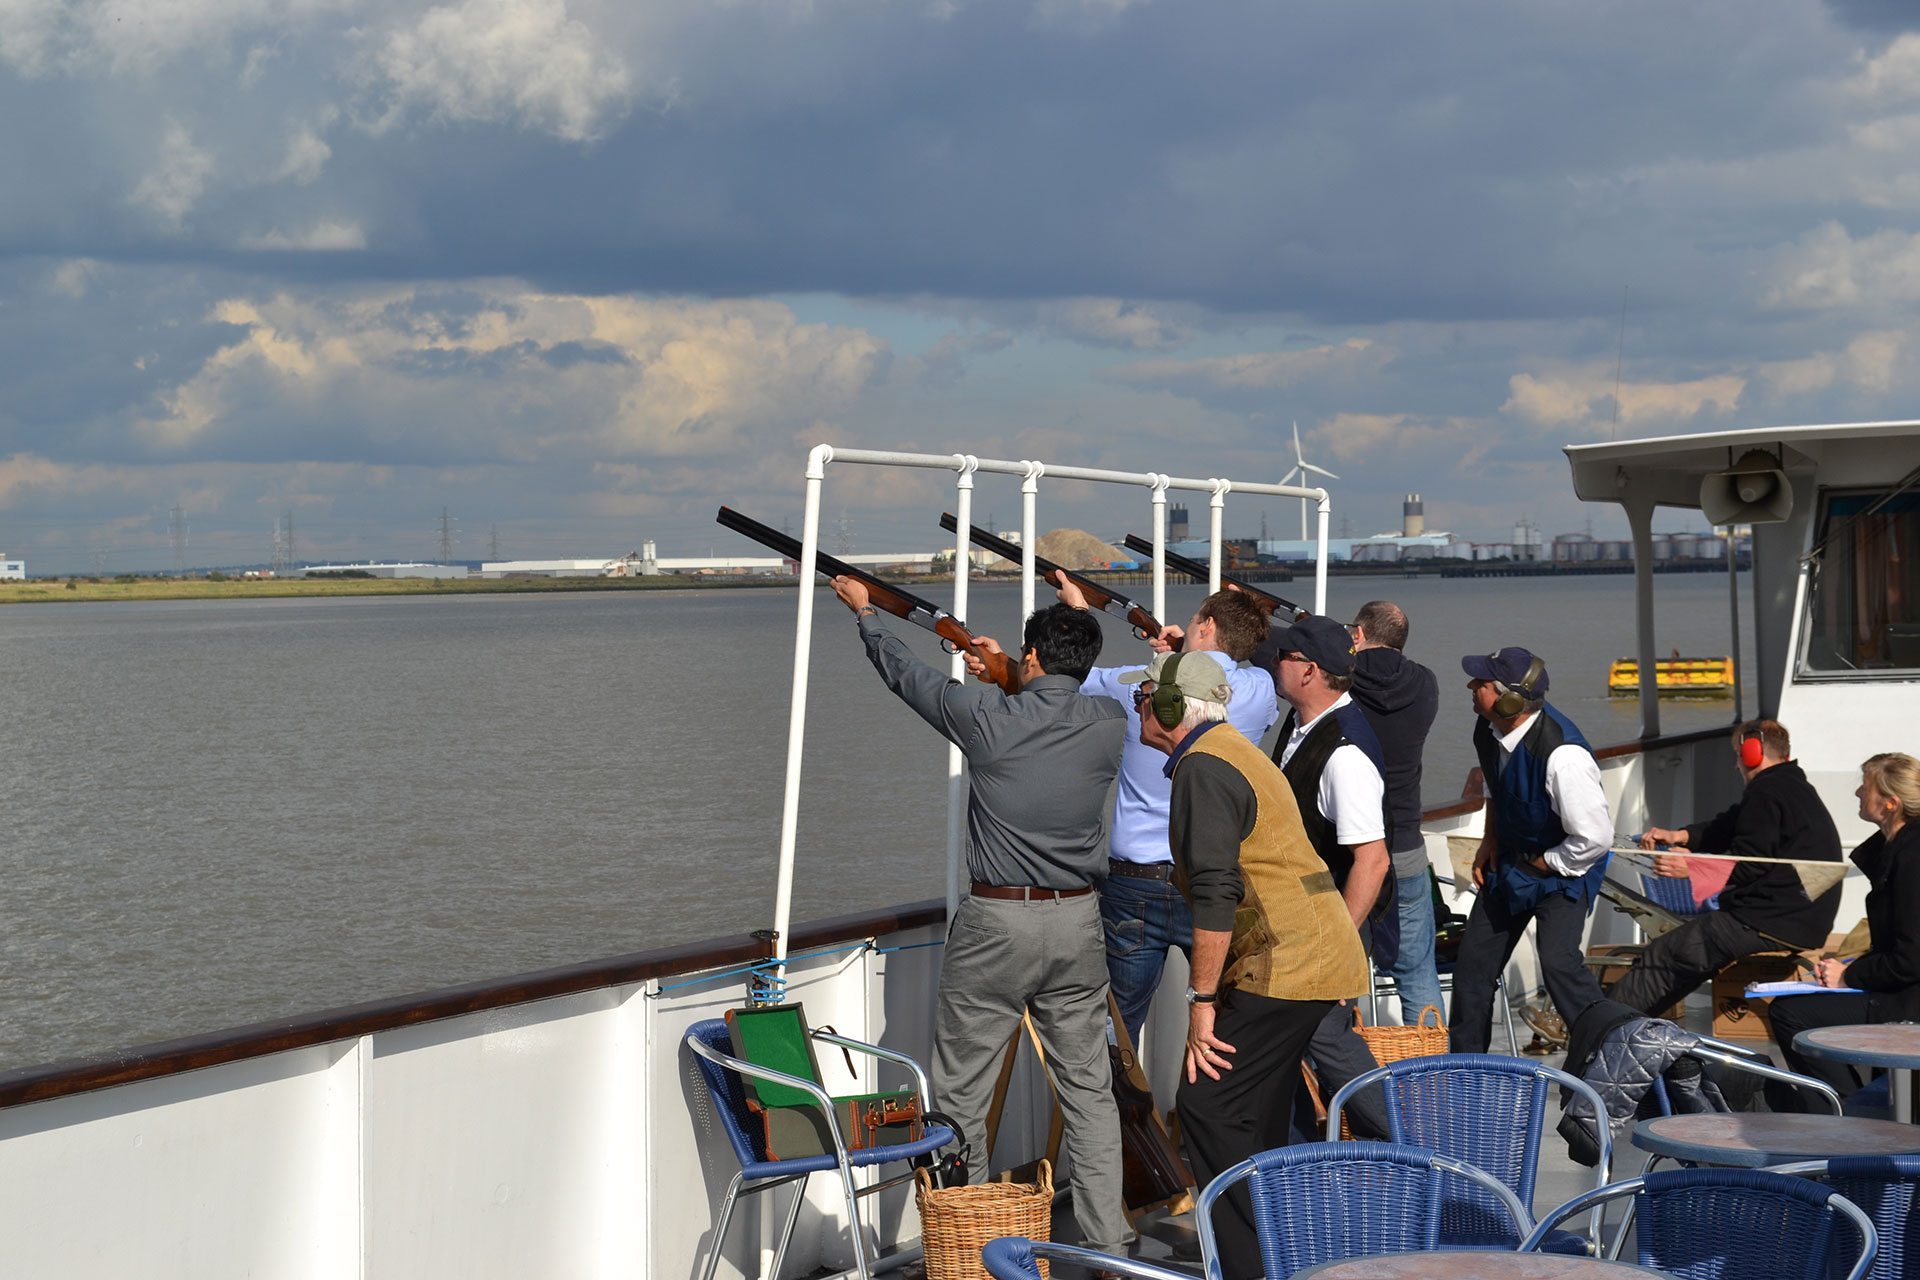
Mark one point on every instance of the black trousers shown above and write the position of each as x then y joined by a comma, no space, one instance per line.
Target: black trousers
1338,1055
1790,1015
1678,961
1246,1110
1493,930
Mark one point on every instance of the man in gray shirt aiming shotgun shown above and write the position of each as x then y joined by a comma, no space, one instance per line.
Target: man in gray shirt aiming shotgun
1027,938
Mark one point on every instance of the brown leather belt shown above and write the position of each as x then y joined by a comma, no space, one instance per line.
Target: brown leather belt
1024,893
1140,870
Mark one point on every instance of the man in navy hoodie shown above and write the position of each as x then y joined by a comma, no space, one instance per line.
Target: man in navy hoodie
1400,699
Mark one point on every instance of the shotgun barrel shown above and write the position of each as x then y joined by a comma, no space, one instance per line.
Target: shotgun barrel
1099,596
885,596
1199,572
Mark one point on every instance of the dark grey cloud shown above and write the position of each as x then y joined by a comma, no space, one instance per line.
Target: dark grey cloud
1468,162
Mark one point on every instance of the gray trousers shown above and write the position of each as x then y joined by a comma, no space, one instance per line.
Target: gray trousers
1003,958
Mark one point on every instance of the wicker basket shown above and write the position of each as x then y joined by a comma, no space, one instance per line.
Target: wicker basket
1386,1044
957,1222
1392,1044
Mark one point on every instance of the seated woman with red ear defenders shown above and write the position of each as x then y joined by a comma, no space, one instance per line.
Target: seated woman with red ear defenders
1764,907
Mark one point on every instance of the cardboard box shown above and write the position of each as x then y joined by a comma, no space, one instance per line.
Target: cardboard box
1734,1016
1610,962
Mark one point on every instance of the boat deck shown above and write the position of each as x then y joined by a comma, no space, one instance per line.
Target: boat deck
1172,1242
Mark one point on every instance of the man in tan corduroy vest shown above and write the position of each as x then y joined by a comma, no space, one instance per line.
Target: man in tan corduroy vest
1274,948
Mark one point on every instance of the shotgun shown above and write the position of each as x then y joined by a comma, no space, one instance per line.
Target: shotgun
884,595
1199,572
1098,596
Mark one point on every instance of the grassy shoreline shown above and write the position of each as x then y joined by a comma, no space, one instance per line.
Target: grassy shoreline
78,590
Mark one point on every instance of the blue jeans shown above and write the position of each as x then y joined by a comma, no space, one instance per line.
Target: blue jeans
1142,918
1414,975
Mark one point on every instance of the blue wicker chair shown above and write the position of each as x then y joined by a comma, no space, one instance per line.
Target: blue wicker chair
1490,1112
1018,1258
1323,1202
711,1044
1734,1224
1887,1190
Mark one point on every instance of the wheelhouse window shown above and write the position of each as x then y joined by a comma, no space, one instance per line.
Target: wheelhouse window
1864,593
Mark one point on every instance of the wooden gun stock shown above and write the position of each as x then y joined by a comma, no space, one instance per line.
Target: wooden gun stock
1100,597
884,596
1199,573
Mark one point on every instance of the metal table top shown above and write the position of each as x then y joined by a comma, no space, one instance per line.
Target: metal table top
1883,1044
1751,1139
1474,1264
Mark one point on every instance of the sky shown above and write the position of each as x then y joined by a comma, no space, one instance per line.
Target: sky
576,272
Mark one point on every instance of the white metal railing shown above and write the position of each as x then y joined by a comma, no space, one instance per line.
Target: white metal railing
965,466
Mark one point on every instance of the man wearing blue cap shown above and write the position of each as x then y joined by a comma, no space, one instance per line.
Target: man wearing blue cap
1545,845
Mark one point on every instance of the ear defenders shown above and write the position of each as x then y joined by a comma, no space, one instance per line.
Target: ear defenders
1513,698
1753,748
1168,703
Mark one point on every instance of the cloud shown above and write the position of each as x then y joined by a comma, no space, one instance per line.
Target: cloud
1828,268
75,37
174,185
307,154
523,62
1113,322
1256,370
1577,401
319,237
504,375
1870,364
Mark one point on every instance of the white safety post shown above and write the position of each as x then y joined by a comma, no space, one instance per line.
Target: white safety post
1733,609
1640,523
1159,509
1217,508
957,668
1029,493
817,461
1320,559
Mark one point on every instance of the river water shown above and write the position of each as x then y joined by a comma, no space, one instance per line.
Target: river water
230,811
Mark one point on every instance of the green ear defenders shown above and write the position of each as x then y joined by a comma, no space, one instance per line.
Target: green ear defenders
1168,703
1513,699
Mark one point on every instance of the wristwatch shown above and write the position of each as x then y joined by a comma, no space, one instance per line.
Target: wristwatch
1201,997
866,611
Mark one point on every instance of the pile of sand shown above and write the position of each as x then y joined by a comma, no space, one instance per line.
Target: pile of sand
1072,549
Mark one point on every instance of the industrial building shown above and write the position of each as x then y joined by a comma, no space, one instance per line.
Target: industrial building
12,570
382,570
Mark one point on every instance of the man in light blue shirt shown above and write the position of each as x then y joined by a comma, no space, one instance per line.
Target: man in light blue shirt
1143,912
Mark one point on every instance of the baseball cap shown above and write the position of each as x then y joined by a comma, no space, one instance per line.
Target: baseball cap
1322,641
1199,676
1509,666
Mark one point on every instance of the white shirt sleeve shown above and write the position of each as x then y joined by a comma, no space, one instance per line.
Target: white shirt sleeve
1573,787
1352,797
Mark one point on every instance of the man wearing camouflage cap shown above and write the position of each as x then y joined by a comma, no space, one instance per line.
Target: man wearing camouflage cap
1274,949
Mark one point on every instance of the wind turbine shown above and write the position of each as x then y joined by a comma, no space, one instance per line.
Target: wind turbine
1300,468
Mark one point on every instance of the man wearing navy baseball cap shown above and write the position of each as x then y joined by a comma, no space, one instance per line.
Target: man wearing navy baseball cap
1545,845
1333,762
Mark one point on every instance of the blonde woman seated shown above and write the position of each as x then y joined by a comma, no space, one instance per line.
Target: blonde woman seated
1888,975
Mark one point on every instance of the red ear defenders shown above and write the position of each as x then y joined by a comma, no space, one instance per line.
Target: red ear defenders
1752,750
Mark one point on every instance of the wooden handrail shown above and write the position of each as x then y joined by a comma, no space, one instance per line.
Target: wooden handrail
101,1071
